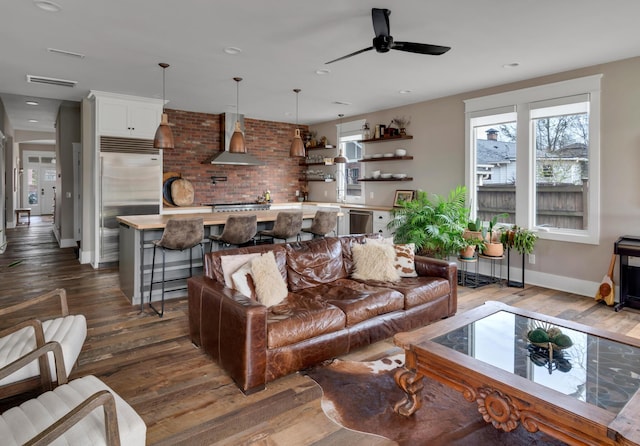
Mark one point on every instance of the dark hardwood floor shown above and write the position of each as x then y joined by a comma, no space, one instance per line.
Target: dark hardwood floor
183,397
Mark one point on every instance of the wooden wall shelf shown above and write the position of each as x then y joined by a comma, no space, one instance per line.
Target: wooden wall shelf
386,158
386,179
388,138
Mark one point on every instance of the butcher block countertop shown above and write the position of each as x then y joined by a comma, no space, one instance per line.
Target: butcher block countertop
142,222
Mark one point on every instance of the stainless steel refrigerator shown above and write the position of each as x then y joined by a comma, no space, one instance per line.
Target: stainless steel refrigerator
130,184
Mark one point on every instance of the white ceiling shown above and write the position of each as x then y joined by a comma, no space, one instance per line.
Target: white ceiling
284,42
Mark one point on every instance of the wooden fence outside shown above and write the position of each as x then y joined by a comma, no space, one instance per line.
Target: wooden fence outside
562,206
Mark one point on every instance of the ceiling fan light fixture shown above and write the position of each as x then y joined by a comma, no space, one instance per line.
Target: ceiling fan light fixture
163,138
297,147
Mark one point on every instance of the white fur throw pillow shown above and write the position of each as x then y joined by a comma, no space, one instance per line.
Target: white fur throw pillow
404,261
271,288
374,261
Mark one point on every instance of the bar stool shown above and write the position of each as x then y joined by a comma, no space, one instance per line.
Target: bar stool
238,230
179,234
288,224
323,223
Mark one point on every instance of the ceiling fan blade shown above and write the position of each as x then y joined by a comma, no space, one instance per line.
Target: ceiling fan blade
349,55
420,48
380,19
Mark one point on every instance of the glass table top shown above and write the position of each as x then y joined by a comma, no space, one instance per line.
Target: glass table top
593,369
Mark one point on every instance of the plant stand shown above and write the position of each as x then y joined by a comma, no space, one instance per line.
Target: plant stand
493,278
464,273
509,282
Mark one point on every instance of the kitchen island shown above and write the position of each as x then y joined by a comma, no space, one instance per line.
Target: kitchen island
137,233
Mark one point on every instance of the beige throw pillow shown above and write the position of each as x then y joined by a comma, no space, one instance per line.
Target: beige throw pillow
374,261
243,281
230,264
271,288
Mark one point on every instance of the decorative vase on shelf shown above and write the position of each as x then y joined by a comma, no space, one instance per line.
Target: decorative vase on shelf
403,131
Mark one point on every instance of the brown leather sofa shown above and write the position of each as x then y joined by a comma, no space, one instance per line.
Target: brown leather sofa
326,313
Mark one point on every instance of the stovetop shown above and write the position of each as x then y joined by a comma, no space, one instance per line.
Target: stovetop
231,207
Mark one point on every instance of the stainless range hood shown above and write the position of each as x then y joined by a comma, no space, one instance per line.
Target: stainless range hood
228,121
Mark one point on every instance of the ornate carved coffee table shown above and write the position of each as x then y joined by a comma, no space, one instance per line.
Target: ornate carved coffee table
584,394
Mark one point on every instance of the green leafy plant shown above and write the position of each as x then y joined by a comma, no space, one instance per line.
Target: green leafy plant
435,223
524,241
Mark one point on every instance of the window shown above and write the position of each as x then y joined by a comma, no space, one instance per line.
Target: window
349,189
534,154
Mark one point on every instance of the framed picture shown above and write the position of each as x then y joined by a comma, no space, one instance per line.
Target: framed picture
403,195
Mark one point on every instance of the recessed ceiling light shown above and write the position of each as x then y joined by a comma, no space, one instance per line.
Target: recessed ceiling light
511,65
404,91
323,71
33,120
31,103
47,5
232,50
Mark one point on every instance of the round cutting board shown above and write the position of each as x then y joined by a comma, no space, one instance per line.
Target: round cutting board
167,179
182,192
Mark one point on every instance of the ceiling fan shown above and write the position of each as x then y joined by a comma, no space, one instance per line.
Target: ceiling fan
383,42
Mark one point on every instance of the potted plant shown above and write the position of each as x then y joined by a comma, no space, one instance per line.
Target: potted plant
524,240
474,229
492,236
435,224
470,245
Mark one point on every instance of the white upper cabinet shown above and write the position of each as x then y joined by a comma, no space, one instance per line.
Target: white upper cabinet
129,117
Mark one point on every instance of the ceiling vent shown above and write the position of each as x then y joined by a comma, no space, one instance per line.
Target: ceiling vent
50,81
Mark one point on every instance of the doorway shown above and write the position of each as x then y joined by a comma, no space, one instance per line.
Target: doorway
39,182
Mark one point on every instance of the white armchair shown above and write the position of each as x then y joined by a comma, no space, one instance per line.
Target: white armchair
69,414
69,331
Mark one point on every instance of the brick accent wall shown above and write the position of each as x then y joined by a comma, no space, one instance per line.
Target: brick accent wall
198,136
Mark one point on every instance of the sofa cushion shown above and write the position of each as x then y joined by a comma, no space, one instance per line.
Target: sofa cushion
314,262
298,318
359,301
418,290
405,260
374,260
271,288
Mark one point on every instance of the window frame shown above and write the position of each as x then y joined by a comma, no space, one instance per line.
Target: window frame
351,130
522,102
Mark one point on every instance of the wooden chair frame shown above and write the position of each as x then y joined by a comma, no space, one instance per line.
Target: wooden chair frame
44,381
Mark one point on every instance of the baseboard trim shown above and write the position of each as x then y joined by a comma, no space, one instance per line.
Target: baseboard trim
68,243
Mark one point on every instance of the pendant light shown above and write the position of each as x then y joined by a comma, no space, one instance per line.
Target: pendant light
237,144
297,148
164,137
340,159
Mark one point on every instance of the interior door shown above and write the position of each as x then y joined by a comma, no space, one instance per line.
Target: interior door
39,183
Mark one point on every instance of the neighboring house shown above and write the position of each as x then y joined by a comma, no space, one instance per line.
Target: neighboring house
568,165
496,162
